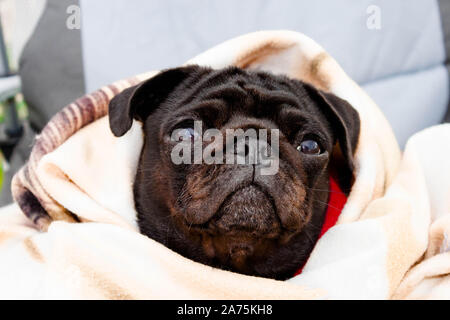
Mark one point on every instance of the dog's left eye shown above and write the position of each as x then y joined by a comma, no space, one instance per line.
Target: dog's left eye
309,147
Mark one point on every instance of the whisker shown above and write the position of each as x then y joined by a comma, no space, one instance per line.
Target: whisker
328,205
325,190
309,237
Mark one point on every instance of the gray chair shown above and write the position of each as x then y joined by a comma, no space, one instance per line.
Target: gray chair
51,73
11,130
9,86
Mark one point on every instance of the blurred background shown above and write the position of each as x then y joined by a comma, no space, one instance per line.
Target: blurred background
54,51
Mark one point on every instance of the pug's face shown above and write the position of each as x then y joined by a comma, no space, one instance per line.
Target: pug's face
229,214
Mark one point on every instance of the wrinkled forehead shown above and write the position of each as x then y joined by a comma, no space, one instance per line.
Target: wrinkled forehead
218,100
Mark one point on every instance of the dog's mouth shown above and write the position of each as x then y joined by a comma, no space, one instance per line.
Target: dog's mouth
244,228
247,210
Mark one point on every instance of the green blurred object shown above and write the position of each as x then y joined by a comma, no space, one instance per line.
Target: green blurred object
21,108
2,161
13,111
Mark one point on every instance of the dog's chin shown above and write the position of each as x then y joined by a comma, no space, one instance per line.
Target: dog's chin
243,231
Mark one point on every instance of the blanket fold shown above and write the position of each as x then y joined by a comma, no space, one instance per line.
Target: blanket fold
73,231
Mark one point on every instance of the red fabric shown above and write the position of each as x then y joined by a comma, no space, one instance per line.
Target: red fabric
336,202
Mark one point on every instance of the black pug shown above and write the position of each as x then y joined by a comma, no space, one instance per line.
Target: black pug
229,216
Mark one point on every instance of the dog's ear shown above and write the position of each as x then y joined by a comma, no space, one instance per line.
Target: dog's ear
139,101
346,123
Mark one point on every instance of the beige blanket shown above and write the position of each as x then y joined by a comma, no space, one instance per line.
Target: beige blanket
73,234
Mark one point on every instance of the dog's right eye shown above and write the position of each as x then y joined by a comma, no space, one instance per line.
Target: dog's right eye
185,134
185,131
